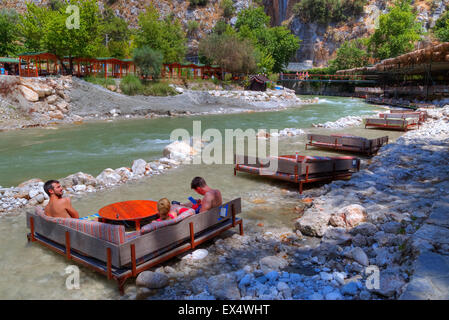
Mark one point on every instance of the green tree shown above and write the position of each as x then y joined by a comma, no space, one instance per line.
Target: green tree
165,35
229,52
115,34
352,54
277,42
32,26
8,32
148,61
253,18
441,29
397,32
82,42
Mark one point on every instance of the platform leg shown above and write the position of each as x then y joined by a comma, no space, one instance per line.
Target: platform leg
241,228
109,263
300,187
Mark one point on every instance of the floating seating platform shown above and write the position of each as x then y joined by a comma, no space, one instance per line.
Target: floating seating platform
120,255
298,169
345,142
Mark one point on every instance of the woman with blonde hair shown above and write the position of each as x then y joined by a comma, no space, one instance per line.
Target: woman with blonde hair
168,211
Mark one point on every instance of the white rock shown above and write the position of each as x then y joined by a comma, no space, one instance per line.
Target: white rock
138,167
199,254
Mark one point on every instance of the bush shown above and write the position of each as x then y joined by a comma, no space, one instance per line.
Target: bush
192,26
131,85
148,61
228,8
441,29
159,89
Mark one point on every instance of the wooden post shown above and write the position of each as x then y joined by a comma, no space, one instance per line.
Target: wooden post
32,229
192,236
133,259
233,215
67,245
109,263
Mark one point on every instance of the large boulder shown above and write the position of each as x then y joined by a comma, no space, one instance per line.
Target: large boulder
349,216
39,87
108,177
313,223
138,167
125,173
29,94
79,178
180,151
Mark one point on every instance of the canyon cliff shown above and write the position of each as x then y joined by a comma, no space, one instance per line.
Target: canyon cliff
319,42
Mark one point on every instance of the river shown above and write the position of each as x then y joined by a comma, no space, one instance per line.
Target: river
33,272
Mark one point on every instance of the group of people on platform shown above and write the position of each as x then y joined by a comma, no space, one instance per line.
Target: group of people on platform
59,207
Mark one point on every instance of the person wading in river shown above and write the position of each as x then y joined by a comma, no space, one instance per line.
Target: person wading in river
211,197
58,207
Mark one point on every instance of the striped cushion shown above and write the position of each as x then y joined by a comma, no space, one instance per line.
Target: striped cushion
104,231
160,224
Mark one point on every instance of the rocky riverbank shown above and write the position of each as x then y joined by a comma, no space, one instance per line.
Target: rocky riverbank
373,234
39,102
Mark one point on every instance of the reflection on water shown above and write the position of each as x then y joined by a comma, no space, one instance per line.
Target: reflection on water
33,272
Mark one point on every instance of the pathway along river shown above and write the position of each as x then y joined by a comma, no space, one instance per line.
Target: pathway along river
33,272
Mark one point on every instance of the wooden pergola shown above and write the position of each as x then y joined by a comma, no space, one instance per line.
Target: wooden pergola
44,63
11,65
35,63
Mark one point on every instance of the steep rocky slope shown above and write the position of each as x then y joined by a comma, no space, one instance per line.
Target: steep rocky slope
319,42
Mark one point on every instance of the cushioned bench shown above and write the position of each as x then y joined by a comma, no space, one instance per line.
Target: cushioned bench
108,249
346,143
301,169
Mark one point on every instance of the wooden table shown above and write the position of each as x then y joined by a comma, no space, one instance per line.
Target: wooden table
134,210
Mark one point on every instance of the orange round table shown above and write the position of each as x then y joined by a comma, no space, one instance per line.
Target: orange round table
134,210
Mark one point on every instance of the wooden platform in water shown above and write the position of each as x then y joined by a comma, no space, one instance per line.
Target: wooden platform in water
301,169
126,260
346,143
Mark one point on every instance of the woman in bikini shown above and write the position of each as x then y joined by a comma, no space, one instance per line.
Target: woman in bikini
168,211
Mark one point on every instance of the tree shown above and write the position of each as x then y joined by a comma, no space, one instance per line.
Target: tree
277,42
148,61
115,34
229,52
351,54
8,32
82,42
441,29
32,26
397,32
165,35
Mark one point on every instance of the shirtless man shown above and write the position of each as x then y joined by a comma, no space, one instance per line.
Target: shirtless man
212,197
58,207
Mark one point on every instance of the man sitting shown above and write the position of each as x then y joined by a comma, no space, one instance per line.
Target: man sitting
58,207
212,197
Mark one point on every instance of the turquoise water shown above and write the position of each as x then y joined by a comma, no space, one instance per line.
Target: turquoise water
35,272
57,152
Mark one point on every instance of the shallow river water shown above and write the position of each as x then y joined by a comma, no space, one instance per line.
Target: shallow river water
33,272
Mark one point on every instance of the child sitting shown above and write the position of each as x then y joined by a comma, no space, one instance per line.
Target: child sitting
167,211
